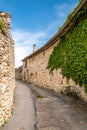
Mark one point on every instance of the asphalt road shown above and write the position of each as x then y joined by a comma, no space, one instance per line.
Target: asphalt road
36,108
58,112
23,117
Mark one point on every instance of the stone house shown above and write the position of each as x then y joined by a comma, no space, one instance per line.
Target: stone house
35,65
7,72
18,73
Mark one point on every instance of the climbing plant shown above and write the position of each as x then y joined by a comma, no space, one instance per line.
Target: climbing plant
80,1
71,52
2,27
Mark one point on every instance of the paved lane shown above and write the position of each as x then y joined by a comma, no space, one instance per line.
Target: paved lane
58,112
53,111
23,117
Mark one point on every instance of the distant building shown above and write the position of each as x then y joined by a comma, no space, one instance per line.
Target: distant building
18,73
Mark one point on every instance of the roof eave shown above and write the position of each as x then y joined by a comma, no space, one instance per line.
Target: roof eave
58,34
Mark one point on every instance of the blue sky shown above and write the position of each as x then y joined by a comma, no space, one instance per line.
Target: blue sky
35,22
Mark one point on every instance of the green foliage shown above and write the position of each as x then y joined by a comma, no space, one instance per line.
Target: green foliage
59,28
71,52
68,17
2,27
77,18
70,14
80,1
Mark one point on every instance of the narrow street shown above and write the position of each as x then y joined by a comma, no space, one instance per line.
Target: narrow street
23,117
36,108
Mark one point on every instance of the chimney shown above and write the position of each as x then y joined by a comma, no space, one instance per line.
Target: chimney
34,48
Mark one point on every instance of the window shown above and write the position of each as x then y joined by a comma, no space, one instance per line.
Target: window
25,64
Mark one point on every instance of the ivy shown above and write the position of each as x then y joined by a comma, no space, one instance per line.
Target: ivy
2,27
71,52
80,1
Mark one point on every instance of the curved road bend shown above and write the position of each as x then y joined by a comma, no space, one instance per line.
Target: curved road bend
58,112
23,117
53,111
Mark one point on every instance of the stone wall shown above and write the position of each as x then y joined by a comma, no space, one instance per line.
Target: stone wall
36,72
7,73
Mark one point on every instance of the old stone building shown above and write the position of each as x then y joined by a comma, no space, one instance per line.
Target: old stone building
7,73
35,70
18,73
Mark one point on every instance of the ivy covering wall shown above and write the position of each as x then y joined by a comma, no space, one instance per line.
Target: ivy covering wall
71,52
2,27
80,1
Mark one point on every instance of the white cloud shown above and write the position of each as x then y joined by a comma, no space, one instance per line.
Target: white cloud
63,9
53,25
20,53
24,40
24,43
61,14
60,10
